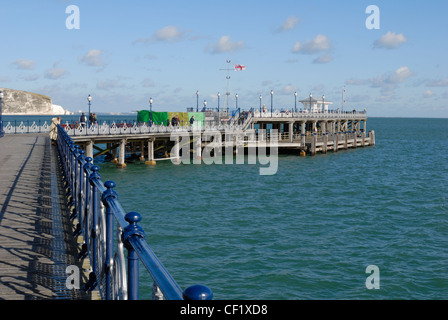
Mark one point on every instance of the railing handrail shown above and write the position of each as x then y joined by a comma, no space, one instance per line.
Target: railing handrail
89,197
111,127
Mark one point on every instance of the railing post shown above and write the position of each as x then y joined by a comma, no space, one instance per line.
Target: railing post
109,194
79,191
93,214
85,204
73,155
132,230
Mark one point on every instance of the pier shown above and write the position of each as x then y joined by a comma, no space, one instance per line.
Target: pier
36,243
63,233
301,133
306,132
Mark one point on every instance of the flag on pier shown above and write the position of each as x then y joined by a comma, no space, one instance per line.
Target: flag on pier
239,67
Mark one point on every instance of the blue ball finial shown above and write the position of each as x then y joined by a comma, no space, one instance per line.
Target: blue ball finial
110,184
198,292
133,217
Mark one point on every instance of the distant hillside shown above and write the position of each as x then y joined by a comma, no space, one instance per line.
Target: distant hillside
16,102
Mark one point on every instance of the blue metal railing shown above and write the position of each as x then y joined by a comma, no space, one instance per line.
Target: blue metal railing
96,208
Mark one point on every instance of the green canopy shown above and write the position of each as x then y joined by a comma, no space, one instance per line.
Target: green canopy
164,118
143,116
157,117
160,118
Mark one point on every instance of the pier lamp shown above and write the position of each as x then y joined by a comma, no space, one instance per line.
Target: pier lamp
323,103
150,109
205,105
311,96
218,102
236,100
2,133
197,101
295,101
260,103
89,99
272,98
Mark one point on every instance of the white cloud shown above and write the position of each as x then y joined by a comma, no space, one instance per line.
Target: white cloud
428,94
316,45
288,24
287,90
93,58
355,82
390,40
108,85
32,77
399,75
387,82
24,64
168,34
225,44
55,72
438,83
325,58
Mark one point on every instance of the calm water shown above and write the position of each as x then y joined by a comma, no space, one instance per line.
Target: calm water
309,231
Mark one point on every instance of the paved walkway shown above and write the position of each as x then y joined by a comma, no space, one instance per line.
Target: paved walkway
36,242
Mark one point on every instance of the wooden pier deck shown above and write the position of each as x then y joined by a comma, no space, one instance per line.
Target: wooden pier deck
36,239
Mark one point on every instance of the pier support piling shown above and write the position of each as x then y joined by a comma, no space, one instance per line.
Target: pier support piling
142,151
121,155
151,160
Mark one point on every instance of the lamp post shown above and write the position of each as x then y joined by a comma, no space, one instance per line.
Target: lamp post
323,103
295,101
197,101
89,99
260,104
311,96
272,98
2,133
218,102
150,109
205,105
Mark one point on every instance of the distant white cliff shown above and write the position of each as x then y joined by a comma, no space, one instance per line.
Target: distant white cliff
16,102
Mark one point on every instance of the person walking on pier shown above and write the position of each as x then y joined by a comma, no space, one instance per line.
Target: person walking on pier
54,129
191,120
83,120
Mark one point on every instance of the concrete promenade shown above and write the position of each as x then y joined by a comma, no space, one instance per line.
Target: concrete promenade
36,241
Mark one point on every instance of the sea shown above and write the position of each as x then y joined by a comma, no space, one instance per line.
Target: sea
361,224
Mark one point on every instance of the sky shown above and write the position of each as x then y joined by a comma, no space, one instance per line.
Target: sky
391,61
